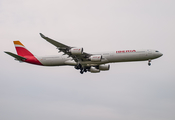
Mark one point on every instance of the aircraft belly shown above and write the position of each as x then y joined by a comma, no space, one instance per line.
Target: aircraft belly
90,63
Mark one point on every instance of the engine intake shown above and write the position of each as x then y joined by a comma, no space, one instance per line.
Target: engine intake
76,51
95,58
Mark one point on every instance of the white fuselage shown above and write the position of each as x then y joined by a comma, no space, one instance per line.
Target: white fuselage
107,57
82,61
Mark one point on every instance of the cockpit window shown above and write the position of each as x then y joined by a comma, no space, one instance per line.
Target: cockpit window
156,51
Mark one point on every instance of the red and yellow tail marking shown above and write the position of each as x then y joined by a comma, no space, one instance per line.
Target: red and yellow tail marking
22,51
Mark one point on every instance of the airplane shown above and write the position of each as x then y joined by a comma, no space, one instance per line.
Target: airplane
75,56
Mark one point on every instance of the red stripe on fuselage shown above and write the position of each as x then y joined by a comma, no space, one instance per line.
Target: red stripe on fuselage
32,60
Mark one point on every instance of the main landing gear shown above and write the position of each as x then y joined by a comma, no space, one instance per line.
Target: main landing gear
149,62
81,68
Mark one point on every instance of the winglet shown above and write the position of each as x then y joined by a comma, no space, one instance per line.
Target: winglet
42,35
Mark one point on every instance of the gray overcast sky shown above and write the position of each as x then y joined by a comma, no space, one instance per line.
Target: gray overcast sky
129,91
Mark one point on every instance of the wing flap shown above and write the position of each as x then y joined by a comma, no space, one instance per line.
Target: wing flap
16,56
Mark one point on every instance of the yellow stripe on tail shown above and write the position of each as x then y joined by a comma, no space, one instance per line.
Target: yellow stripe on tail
18,43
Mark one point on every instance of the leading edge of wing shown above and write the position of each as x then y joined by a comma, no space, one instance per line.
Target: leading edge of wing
53,42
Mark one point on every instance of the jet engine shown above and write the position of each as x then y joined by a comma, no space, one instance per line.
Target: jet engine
76,51
104,67
95,58
94,70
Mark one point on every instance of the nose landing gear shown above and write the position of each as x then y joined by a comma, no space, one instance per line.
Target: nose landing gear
149,62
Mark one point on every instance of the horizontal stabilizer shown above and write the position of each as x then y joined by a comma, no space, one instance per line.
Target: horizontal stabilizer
16,56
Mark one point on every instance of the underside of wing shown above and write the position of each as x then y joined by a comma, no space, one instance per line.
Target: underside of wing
76,53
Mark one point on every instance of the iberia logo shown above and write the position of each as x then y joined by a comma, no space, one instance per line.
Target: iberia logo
125,51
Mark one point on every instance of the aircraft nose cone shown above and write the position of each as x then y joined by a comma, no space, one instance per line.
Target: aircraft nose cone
160,54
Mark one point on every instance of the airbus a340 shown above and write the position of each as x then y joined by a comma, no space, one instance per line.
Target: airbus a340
81,60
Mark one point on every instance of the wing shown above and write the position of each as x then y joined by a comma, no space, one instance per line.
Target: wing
55,43
66,49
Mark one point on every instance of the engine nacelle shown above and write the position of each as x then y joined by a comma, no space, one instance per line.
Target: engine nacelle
104,67
76,51
95,58
94,70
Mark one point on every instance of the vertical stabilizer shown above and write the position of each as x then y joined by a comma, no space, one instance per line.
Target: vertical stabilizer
21,50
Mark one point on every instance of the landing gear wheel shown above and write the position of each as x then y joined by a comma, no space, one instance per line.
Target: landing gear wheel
81,72
85,70
149,63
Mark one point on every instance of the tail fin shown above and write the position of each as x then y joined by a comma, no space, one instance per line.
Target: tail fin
23,54
21,50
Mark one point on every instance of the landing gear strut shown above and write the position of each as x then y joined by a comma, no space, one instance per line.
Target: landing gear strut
79,66
149,62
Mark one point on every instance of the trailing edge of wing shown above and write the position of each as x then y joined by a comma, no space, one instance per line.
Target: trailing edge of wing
55,43
16,56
